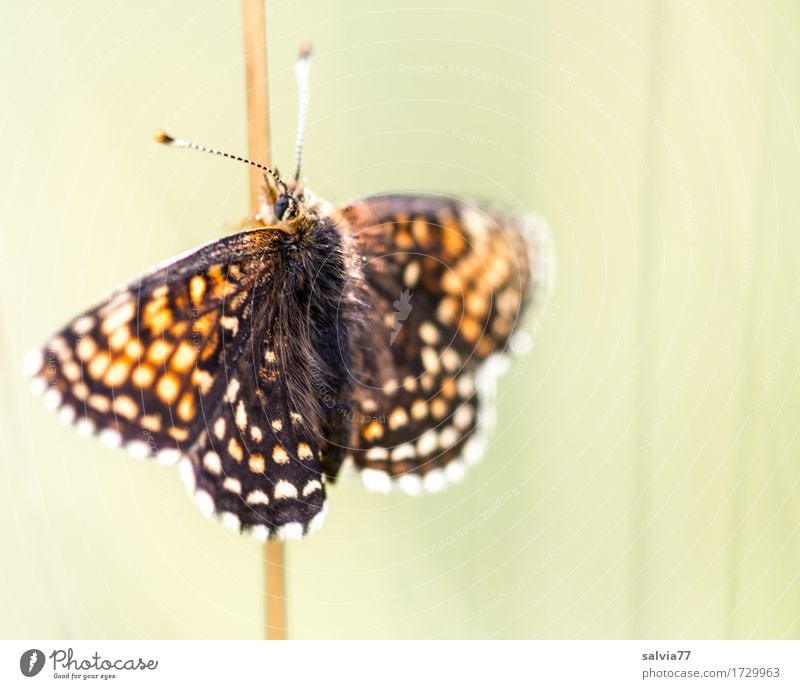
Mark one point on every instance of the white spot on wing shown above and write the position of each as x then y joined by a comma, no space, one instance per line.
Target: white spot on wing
138,449
311,486
455,471
33,362
317,520
232,391
67,414
521,342
404,451
293,531
186,471
82,325
52,399
204,502
260,533
234,485
85,427
212,462
411,484
241,416
284,489
257,497
448,437
110,438
230,323
169,456
219,428
427,443
230,521
434,481
376,480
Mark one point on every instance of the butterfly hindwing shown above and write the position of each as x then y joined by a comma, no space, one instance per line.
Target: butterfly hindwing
448,282
258,462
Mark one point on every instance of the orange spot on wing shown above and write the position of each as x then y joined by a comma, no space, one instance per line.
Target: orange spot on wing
160,321
211,346
421,231
119,338
372,431
98,364
126,407
143,376
184,357
235,450
158,352
202,325
452,241
179,329
186,407
156,315
197,289
152,422
86,348
470,329
179,434
279,455
168,387
134,349
117,374
486,346
256,463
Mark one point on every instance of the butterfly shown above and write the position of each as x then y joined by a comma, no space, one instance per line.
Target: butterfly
368,334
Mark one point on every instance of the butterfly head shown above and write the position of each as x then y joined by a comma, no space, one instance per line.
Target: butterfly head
290,205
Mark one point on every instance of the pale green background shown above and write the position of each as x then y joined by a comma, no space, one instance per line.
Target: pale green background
645,466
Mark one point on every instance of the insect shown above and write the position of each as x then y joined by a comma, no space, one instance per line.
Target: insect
367,333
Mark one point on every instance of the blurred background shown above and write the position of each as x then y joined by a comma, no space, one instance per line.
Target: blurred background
643,477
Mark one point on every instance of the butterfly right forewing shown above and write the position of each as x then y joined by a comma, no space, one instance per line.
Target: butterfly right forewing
447,283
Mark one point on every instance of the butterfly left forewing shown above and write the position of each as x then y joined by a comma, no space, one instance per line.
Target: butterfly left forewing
135,368
179,365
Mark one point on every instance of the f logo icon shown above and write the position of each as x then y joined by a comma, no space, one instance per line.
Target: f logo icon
31,662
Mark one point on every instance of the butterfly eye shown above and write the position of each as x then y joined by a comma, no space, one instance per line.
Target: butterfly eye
281,206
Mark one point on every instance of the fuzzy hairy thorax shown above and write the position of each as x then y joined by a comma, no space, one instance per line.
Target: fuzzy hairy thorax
311,311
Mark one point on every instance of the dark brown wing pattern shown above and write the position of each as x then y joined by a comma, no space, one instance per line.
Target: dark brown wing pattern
447,283
178,365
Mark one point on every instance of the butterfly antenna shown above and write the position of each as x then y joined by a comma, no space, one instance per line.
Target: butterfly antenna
302,70
163,138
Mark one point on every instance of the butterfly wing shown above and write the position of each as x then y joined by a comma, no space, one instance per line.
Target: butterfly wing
179,364
447,283
257,462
